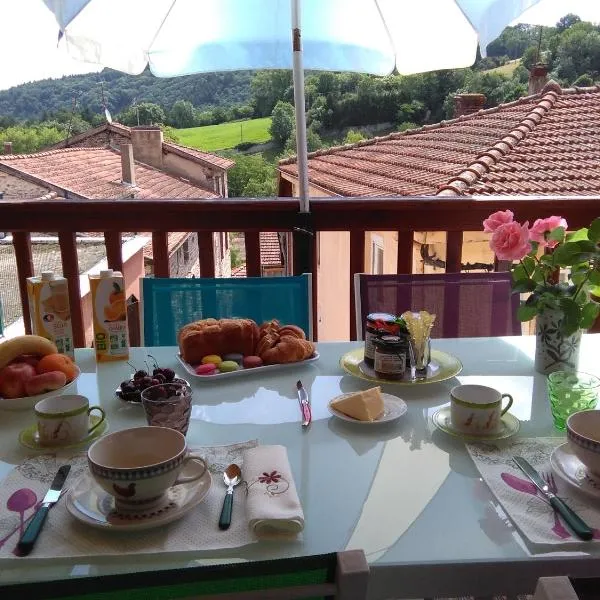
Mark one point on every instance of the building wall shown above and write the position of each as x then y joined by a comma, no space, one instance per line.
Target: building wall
101,139
15,187
201,174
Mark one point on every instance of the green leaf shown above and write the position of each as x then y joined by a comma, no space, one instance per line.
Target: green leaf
595,277
526,313
523,285
589,313
519,273
594,231
556,235
594,290
571,315
580,234
529,264
534,248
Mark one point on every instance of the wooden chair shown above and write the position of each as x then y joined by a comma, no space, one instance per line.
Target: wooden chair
465,304
342,575
564,588
167,304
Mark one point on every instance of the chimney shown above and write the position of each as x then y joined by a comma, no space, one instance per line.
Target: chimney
127,164
465,104
538,78
147,145
7,147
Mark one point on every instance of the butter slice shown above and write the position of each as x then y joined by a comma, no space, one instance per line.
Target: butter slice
364,406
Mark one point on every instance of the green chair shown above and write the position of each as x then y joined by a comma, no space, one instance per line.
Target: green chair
342,575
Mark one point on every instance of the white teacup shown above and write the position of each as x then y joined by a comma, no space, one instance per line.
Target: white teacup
477,409
65,419
137,466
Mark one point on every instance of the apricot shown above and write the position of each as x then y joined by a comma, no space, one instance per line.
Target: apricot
58,362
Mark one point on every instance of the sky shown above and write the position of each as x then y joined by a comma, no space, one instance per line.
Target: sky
29,37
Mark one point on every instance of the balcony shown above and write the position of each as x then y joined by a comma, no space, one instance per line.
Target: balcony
356,216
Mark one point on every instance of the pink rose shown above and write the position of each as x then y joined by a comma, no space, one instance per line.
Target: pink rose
542,226
498,218
511,241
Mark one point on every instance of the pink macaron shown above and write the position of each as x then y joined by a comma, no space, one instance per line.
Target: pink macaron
206,369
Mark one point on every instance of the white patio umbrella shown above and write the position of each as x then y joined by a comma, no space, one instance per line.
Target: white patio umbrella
181,37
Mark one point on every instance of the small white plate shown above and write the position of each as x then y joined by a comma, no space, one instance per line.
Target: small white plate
509,426
30,401
241,372
91,505
572,471
393,408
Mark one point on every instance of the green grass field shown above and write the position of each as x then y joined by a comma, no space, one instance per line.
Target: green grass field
506,69
226,135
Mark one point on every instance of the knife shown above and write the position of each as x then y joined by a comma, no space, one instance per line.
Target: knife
572,519
304,404
27,541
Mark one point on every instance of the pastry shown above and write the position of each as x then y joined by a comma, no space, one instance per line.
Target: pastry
283,344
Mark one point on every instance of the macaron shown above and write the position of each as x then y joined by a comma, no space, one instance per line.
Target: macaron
228,365
234,356
250,362
215,359
206,369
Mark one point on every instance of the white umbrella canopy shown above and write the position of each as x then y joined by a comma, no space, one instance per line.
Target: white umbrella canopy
181,37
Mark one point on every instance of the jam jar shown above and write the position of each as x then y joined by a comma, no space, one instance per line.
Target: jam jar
391,356
378,324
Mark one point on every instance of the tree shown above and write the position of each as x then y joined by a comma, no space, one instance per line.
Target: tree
313,142
578,52
353,136
282,122
147,112
268,87
30,139
567,21
252,176
182,114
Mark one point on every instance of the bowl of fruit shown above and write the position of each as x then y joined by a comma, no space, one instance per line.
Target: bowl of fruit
31,369
131,390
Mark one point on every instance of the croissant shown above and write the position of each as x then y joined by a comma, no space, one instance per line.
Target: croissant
288,349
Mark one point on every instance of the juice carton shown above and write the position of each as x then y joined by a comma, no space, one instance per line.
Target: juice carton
111,335
50,312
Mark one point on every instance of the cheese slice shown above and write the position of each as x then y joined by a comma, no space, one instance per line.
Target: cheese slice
364,406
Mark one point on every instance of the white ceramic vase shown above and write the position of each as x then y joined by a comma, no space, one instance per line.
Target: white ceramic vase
555,351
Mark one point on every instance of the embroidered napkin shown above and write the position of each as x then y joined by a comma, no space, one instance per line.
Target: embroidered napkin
523,505
272,507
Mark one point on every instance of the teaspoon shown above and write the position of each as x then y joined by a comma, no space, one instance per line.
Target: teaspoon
232,476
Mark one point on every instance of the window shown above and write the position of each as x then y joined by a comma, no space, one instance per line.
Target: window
376,255
186,251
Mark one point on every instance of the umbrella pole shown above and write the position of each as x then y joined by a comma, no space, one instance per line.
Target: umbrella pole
303,232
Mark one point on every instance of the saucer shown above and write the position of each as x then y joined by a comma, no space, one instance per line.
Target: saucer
30,438
393,408
572,471
510,426
91,505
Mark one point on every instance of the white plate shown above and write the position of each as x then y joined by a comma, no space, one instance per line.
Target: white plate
30,401
91,505
509,426
241,372
572,471
393,408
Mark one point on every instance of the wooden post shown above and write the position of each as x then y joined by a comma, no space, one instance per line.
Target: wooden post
454,242
252,243
357,265
70,264
160,253
114,257
404,261
22,245
206,253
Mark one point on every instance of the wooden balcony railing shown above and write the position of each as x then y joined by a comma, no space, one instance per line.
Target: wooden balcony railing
404,215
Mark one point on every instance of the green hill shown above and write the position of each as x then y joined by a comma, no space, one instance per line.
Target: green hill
226,135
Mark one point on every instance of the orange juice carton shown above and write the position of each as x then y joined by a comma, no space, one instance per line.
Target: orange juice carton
48,297
111,335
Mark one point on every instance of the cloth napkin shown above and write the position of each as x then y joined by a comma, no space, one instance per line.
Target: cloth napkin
529,512
273,508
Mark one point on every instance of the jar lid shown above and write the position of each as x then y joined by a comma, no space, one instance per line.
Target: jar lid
385,317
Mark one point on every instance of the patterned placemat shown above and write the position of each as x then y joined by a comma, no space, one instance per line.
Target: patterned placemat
529,512
64,536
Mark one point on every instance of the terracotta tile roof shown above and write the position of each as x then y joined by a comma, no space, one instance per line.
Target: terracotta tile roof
239,271
185,151
174,240
270,249
541,144
96,173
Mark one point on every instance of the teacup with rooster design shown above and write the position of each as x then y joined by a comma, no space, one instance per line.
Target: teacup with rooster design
137,466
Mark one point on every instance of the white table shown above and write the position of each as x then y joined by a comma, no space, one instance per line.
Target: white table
410,497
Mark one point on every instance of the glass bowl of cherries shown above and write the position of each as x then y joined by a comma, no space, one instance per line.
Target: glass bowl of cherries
131,390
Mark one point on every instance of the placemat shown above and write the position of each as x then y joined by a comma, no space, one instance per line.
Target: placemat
64,536
529,512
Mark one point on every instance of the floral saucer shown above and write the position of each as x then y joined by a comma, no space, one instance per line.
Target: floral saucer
30,438
393,408
509,426
90,504
572,471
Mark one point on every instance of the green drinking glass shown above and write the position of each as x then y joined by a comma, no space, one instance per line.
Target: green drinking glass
570,393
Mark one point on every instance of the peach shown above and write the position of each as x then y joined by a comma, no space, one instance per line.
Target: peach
13,378
46,382
57,362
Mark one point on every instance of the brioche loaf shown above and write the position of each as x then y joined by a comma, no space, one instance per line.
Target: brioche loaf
212,336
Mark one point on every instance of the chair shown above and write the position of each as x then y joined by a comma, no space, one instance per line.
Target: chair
564,588
343,576
169,304
466,304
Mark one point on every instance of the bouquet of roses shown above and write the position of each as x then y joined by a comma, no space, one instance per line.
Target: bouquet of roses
577,254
